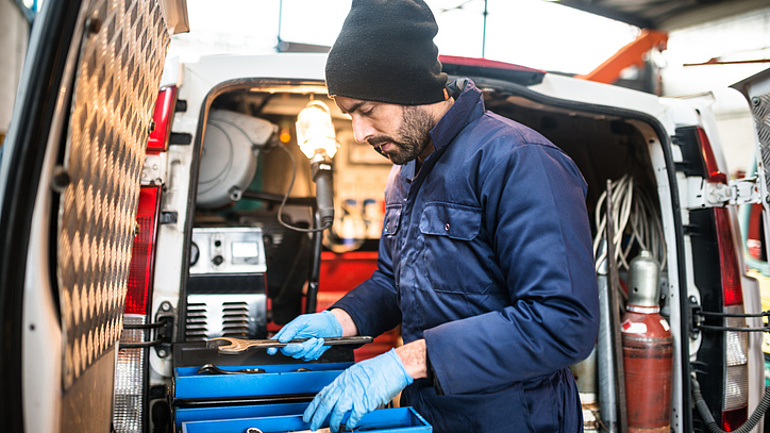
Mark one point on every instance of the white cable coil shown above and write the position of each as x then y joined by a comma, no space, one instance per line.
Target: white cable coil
634,215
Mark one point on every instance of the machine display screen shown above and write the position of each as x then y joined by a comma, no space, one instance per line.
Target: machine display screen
245,249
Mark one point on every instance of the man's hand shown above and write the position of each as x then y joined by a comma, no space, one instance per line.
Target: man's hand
360,389
323,324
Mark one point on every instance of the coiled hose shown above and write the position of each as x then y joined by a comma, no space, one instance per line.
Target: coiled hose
711,425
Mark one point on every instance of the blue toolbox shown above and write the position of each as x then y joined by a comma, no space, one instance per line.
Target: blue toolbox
401,420
210,386
212,392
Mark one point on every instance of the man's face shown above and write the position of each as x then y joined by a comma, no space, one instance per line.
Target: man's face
401,132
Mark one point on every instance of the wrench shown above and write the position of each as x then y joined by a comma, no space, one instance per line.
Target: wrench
240,345
213,369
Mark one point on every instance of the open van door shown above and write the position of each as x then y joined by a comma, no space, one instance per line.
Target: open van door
69,186
756,90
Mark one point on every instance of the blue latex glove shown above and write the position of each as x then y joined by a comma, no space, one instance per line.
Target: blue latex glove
322,324
360,389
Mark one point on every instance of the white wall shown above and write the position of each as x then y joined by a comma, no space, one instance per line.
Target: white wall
744,37
14,31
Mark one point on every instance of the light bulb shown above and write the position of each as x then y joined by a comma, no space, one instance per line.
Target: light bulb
315,130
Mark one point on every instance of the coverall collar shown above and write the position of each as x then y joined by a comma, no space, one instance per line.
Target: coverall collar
468,106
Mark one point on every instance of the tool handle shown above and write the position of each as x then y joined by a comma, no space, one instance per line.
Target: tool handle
344,341
328,341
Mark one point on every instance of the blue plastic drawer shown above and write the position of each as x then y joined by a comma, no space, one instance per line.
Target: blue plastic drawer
279,379
183,415
401,420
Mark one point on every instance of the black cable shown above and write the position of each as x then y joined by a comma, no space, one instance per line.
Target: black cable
725,328
711,424
715,314
140,345
144,325
286,197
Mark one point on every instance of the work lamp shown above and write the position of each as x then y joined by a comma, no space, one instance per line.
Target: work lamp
317,140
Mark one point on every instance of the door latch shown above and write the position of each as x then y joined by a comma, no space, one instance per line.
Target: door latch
704,194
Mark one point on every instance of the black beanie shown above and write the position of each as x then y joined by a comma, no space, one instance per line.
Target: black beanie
385,53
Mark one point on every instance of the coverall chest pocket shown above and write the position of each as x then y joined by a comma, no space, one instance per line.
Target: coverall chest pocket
454,259
392,219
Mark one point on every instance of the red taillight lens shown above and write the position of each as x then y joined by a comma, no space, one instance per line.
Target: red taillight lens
714,173
164,111
728,256
728,259
733,419
735,386
143,256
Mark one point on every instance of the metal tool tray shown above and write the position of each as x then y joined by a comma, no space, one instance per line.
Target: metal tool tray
400,420
196,354
281,377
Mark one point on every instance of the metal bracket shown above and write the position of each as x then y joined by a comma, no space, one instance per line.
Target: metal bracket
167,314
704,194
168,217
154,169
696,318
163,331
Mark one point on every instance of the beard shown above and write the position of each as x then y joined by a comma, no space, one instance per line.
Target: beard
413,135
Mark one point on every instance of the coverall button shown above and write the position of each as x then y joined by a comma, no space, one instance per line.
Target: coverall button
446,227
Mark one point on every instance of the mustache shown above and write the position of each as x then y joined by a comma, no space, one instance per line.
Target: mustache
378,141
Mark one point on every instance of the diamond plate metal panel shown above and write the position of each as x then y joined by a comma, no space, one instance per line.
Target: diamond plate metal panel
761,111
122,57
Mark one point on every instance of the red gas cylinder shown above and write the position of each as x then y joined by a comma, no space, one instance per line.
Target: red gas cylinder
647,351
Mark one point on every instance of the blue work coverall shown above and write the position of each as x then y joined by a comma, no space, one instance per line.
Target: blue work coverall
486,253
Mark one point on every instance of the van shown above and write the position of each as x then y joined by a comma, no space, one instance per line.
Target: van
145,206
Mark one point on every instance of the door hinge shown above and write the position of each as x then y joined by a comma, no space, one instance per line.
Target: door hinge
704,194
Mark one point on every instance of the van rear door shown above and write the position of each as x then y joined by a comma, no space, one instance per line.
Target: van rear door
69,185
756,90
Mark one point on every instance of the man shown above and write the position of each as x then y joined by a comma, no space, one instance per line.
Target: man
485,257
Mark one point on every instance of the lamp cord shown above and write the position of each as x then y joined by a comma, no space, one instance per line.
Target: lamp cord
327,224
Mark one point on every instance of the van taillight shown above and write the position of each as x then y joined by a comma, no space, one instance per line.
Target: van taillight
132,363
736,384
733,419
728,259
161,118
143,255
709,159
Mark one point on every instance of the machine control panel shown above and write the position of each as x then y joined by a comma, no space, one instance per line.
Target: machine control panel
227,250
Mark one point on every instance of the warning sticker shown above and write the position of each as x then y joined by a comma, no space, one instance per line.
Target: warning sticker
633,327
664,324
